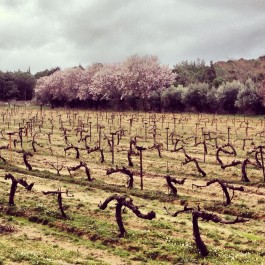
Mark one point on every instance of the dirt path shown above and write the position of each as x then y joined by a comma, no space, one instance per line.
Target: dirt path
35,233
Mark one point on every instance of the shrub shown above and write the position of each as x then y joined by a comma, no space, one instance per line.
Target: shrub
195,96
172,99
226,96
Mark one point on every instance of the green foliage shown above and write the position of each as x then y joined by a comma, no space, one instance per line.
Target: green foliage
195,96
155,103
226,96
212,100
194,71
46,72
218,81
248,99
16,86
211,73
25,83
172,98
8,87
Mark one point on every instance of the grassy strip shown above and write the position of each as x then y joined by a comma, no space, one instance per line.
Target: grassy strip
97,184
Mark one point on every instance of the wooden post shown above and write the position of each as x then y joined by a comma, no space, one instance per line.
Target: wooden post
174,124
10,145
262,162
141,169
112,147
130,128
247,129
90,131
99,137
167,137
20,136
196,124
145,131
228,134
141,149
204,143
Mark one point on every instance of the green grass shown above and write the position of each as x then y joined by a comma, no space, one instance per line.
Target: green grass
164,240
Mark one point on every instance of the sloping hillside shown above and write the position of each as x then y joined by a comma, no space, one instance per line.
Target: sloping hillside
242,69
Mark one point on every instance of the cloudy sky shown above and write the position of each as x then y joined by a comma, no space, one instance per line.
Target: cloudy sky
47,33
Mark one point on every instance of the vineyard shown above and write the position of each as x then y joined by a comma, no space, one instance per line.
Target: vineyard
101,187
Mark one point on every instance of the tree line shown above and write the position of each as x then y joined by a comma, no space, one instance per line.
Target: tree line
19,85
16,85
121,85
229,97
137,83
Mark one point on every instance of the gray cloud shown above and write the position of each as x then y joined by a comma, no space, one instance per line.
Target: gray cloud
44,34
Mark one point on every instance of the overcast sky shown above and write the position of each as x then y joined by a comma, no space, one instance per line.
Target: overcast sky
47,33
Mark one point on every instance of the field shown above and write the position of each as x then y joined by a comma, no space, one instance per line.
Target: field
35,231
